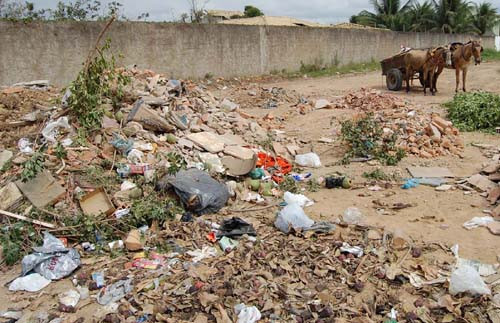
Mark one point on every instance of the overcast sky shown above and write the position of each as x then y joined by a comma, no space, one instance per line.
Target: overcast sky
324,11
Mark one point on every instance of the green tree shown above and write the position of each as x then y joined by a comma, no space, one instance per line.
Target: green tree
453,16
484,17
420,17
389,14
251,11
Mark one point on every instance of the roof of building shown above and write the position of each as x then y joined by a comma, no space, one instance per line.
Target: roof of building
272,21
348,25
227,14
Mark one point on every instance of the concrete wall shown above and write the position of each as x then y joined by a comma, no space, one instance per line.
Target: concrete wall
55,51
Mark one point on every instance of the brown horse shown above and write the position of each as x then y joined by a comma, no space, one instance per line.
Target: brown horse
461,58
426,62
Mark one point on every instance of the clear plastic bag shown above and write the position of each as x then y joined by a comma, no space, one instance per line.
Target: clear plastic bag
352,216
467,279
292,215
308,160
299,199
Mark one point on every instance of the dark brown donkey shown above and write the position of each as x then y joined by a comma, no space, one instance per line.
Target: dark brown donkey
424,61
461,58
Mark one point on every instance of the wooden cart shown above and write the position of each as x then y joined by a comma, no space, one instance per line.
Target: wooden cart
394,70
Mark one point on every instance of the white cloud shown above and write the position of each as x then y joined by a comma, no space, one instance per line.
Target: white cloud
325,11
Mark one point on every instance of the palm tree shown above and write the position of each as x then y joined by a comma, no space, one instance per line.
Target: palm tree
388,14
453,16
484,17
421,17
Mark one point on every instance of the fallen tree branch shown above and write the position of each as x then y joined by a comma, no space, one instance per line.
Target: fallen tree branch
23,218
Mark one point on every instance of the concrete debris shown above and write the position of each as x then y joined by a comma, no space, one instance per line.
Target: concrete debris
5,158
183,161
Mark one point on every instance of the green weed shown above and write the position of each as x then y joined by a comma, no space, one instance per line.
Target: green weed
365,139
33,166
490,54
475,111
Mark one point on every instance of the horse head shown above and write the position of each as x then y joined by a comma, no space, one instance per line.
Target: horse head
477,49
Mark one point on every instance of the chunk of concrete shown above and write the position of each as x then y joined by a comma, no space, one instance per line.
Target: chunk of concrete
322,104
133,241
239,152
209,141
228,105
148,118
10,196
5,157
42,190
481,182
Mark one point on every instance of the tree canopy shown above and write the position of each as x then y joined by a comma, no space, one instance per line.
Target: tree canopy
448,16
251,11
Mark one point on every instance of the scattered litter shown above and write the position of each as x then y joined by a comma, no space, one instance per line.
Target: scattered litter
51,130
235,227
206,252
227,244
30,283
410,183
292,216
301,200
467,279
199,192
247,314
308,160
25,146
477,222
355,250
53,260
114,292
352,215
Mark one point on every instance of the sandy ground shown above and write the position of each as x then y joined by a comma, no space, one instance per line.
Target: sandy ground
436,216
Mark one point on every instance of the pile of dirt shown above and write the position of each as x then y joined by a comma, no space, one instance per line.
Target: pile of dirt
423,135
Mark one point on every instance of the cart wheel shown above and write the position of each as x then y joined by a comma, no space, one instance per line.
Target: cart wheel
394,79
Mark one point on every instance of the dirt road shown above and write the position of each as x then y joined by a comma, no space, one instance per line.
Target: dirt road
436,216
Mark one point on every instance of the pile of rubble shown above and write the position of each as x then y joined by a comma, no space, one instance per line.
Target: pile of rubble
422,135
222,267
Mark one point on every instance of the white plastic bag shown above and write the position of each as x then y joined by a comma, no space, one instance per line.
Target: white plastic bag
135,156
299,199
308,160
352,216
292,215
69,298
467,279
247,314
24,146
29,283
477,222
51,130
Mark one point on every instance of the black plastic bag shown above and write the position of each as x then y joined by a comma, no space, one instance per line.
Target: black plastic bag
199,192
236,227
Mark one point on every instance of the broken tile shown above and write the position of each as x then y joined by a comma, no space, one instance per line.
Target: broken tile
209,141
5,157
10,196
430,172
481,182
43,190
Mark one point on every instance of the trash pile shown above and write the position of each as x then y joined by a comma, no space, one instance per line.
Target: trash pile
426,136
166,186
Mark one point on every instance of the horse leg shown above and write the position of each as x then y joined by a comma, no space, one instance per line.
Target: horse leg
436,76
431,81
409,72
457,75
426,72
464,75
